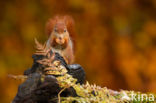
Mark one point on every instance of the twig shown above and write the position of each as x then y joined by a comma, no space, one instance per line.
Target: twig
59,98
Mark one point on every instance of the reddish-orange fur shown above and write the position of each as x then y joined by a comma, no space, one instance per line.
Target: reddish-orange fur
68,21
66,43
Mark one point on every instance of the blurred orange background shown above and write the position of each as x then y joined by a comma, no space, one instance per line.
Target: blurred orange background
116,40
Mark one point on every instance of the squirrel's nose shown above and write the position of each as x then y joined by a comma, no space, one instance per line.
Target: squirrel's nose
60,38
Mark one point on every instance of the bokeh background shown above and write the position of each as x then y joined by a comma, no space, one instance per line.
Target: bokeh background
116,40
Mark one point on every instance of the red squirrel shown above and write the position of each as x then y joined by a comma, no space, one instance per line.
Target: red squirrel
61,31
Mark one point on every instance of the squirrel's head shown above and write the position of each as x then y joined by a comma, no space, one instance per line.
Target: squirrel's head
59,30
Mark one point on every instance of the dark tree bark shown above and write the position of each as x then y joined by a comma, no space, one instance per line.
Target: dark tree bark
34,90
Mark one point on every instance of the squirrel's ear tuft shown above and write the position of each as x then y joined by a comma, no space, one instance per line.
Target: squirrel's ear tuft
50,25
69,23
71,28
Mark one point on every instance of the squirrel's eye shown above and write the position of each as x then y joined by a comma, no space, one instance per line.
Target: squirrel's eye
65,30
55,30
